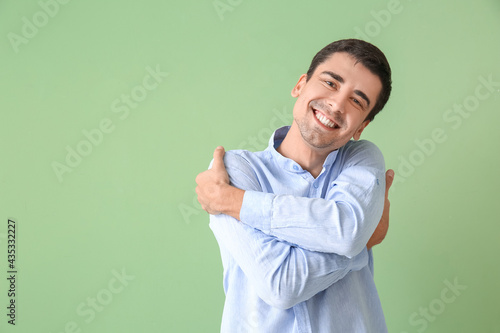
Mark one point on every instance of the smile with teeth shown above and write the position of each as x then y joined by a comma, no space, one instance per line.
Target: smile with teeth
325,121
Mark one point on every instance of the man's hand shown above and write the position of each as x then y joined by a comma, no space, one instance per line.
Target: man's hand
381,230
215,194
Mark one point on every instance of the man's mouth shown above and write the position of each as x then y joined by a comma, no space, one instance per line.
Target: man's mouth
324,120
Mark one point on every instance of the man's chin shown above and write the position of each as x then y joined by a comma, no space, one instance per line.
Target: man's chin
330,145
323,146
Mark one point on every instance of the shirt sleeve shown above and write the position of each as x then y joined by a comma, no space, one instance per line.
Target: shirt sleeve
342,223
282,274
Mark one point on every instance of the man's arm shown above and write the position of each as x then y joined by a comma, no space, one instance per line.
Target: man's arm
338,225
282,274
383,226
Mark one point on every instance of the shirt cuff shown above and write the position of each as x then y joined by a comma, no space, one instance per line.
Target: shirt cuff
256,210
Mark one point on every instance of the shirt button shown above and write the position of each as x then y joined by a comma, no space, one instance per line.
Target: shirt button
315,185
295,167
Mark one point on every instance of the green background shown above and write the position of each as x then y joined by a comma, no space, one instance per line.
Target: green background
129,205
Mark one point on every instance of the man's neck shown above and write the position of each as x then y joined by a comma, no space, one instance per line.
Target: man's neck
294,148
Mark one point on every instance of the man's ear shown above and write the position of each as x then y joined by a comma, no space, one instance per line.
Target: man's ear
360,129
299,85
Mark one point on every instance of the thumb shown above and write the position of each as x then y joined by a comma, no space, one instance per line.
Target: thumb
389,178
218,158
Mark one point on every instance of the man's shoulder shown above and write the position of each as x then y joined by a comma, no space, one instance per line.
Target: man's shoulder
240,158
361,150
245,168
360,146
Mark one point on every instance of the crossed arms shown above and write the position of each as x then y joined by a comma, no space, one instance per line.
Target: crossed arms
282,273
217,196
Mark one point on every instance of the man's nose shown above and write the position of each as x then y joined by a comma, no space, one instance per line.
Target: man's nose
337,102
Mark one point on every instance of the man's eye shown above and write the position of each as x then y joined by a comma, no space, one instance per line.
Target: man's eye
358,102
330,83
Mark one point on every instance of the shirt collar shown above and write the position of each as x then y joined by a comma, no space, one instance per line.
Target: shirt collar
286,163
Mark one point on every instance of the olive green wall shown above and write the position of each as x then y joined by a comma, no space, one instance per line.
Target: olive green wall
109,109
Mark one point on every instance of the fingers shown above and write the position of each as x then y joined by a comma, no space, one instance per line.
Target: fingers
218,158
389,178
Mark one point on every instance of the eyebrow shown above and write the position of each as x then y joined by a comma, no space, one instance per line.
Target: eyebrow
341,80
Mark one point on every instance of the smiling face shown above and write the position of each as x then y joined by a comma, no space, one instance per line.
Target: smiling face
332,105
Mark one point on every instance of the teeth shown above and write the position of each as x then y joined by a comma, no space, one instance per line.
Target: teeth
324,120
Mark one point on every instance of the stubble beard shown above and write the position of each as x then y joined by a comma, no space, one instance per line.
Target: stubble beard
313,136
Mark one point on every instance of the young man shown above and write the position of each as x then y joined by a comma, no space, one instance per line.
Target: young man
296,226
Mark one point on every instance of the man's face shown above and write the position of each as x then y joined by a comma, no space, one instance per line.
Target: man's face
333,104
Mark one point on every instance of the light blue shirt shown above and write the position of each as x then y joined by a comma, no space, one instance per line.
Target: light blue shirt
297,261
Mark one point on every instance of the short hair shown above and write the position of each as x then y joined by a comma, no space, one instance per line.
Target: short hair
369,56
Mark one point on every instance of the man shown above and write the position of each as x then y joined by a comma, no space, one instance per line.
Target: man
296,228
